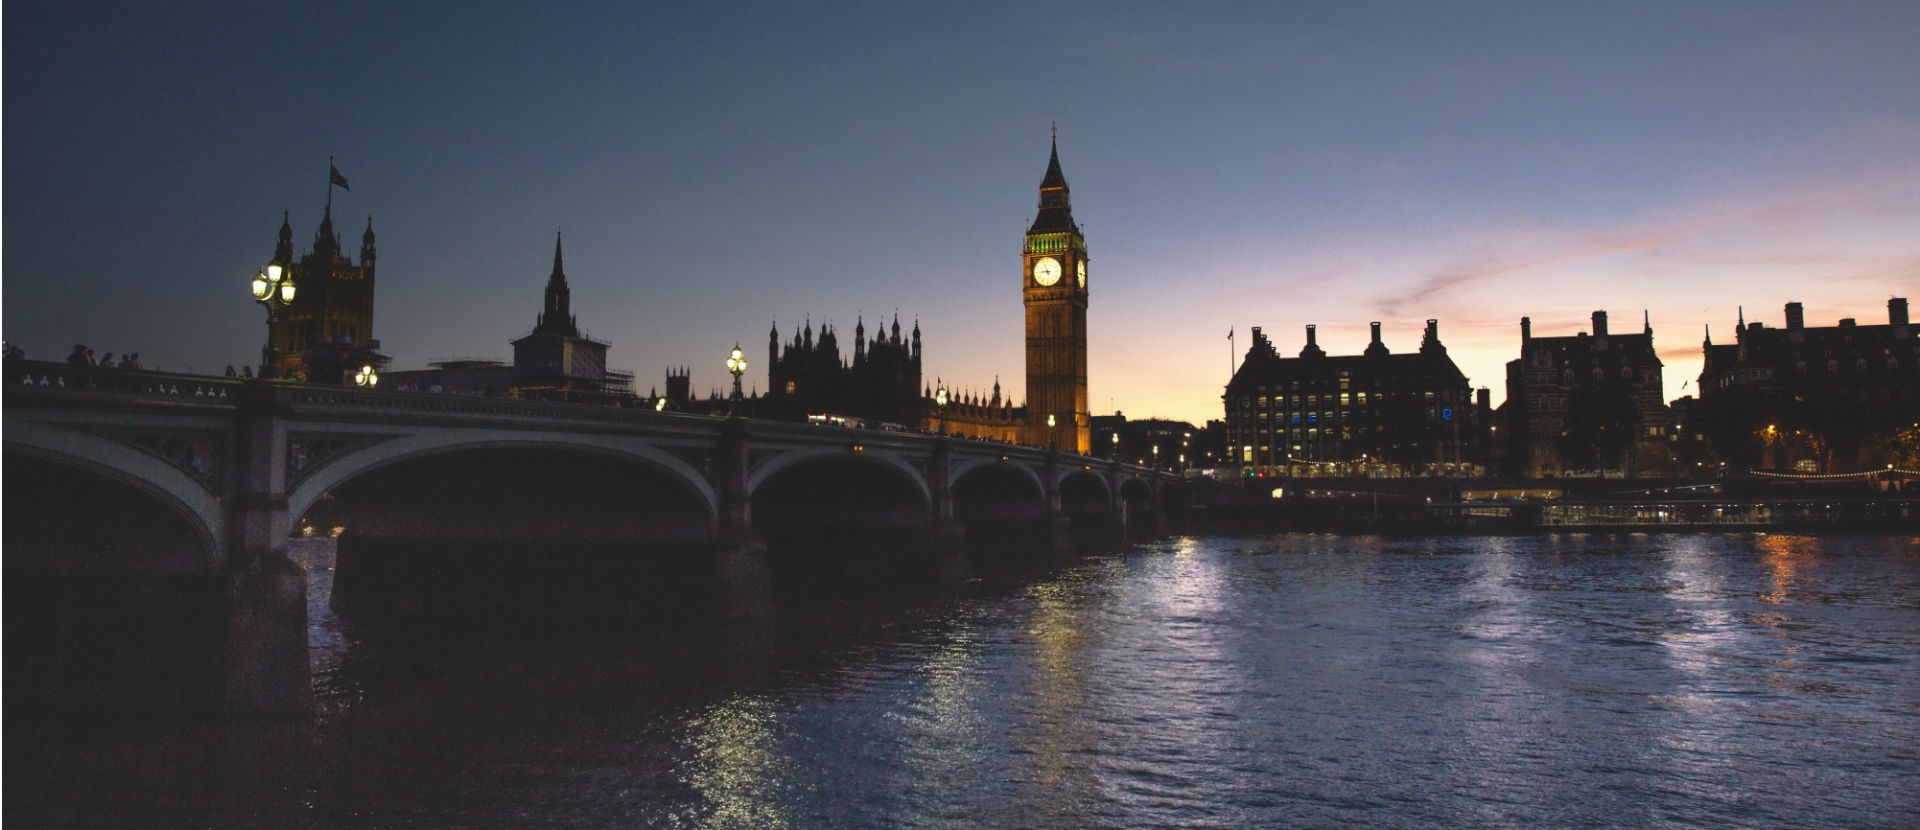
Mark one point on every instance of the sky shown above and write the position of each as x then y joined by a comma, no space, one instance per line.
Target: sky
718,168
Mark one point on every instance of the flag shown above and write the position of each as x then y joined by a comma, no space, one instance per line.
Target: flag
333,175
1229,332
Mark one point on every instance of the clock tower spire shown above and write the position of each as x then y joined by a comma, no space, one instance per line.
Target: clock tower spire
1053,279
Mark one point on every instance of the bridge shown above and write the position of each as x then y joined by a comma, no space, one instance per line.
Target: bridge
148,517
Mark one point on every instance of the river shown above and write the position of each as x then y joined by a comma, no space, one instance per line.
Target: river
1629,680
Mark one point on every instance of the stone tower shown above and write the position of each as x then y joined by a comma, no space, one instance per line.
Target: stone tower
1053,287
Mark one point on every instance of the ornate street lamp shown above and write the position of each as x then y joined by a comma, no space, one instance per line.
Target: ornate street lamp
366,378
1116,445
1051,444
940,406
736,364
273,288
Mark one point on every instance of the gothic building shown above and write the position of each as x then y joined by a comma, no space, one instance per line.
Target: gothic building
879,382
1587,403
1349,414
554,361
974,415
1809,397
328,327
1054,290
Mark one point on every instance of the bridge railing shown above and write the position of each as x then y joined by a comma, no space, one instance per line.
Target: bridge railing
313,397
36,377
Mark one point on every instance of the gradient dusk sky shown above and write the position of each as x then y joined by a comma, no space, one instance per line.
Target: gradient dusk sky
717,167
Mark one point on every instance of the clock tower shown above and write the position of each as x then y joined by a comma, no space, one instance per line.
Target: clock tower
1053,287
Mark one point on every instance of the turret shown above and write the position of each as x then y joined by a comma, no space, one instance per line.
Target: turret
366,247
283,252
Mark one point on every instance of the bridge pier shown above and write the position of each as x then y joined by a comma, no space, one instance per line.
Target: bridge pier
949,535
743,578
264,594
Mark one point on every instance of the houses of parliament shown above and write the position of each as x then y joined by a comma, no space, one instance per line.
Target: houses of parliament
880,381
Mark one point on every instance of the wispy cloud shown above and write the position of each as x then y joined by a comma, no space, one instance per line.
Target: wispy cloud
1691,239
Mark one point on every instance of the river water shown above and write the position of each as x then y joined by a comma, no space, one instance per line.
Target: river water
1734,680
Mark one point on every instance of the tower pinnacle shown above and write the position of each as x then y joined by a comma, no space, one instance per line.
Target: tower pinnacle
557,318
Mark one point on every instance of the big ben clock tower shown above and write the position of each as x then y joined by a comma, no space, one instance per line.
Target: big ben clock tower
1053,280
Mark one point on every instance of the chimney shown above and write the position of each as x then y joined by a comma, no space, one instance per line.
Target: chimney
1897,311
1376,332
1430,344
1526,330
1796,318
1599,324
1846,322
1310,343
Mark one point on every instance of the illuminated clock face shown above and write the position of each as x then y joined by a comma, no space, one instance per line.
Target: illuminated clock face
1081,266
1046,271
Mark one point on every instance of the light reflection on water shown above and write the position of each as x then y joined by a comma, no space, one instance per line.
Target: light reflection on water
1572,680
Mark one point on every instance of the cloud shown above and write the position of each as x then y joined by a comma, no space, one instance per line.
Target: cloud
1735,232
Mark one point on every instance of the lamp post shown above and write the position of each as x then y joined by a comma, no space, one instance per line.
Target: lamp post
737,365
1156,456
940,407
273,288
366,378
1116,445
1050,442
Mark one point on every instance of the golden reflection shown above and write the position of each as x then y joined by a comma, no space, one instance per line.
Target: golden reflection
953,689
737,766
1785,557
1061,740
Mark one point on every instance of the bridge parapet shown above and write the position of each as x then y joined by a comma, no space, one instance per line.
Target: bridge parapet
26,380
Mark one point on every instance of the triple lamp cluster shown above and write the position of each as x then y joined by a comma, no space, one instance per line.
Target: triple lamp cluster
273,288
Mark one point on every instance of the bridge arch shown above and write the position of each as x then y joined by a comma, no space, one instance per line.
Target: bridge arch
124,464
839,523
356,464
516,527
961,468
774,466
114,585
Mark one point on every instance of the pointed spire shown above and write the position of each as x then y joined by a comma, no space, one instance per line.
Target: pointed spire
1056,210
557,318
1647,317
283,250
325,240
366,244
1707,335
1053,178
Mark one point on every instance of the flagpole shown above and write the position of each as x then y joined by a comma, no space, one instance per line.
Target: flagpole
329,184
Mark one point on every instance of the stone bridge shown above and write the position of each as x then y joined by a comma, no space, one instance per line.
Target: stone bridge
149,514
